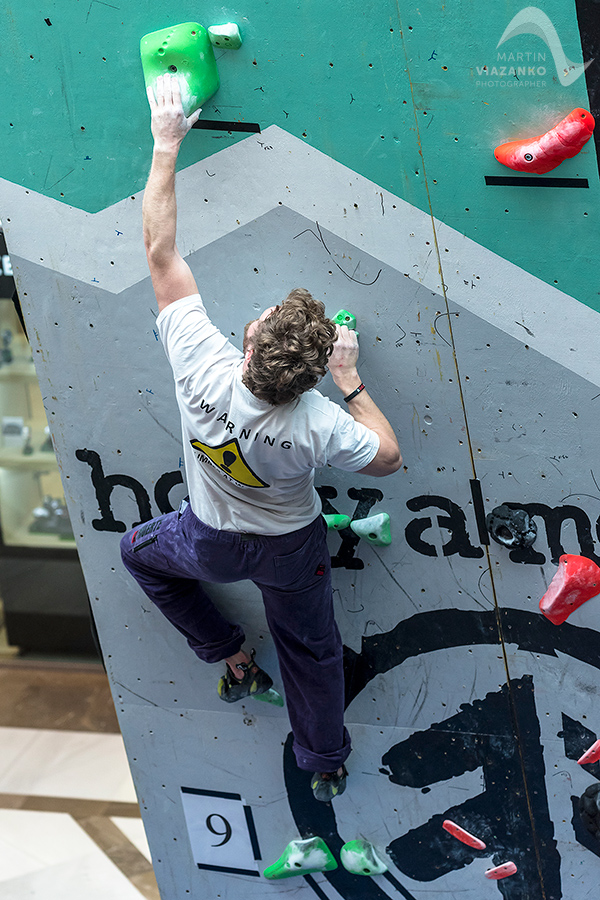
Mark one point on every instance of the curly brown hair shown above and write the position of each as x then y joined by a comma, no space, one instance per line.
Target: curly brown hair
290,349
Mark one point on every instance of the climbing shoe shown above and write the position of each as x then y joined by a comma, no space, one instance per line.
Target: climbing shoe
231,689
327,785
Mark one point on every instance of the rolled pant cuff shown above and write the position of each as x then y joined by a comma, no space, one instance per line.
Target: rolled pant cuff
322,762
215,652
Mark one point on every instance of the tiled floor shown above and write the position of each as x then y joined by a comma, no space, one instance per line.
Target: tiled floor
69,821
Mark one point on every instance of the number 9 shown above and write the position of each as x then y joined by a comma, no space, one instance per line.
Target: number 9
225,834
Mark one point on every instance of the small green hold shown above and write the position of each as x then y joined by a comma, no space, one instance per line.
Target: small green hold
343,317
270,696
376,529
302,858
225,37
336,522
360,858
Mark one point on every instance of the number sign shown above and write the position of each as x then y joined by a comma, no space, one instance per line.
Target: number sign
221,831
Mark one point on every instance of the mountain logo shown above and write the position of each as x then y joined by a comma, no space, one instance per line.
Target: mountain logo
228,458
532,20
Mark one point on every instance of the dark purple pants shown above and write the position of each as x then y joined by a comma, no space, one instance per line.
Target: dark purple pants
169,556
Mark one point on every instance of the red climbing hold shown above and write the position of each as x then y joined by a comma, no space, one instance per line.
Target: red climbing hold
576,580
502,871
462,835
590,756
547,151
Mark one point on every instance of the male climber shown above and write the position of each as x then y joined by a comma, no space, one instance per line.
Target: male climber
254,430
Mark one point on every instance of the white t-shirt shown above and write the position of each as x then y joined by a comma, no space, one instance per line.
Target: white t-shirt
250,465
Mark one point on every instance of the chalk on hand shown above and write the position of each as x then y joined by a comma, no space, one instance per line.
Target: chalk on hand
462,835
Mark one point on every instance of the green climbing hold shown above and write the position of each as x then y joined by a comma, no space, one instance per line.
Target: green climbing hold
185,51
343,317
376,529
360,858
302,858
336,522
225,37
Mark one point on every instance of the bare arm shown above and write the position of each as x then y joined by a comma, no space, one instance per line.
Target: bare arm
342,365
171,276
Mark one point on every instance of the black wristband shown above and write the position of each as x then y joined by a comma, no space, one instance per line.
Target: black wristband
355,393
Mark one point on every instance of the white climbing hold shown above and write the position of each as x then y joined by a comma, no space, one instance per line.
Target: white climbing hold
376,529
227,36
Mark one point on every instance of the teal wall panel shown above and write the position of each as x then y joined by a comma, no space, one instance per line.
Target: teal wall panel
390,91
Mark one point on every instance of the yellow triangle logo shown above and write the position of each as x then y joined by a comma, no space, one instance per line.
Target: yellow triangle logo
228,458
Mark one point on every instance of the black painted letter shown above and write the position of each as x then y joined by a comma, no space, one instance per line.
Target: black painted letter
104,484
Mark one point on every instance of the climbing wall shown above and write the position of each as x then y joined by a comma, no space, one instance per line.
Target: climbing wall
349,151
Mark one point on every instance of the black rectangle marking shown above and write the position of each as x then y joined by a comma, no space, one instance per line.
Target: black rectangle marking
252,832
479,508
229,870
538,181
220,125
202,793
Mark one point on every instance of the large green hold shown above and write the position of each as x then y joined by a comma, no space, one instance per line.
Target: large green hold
184,50
302,858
